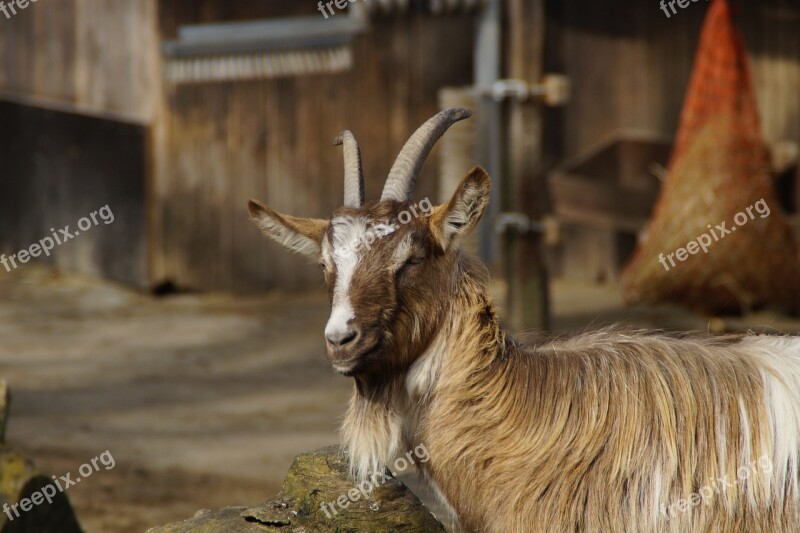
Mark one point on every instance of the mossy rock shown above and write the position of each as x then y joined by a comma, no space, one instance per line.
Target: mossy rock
313,479
20,480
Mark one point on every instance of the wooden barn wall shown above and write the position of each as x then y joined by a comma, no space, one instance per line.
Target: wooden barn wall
630,66
92,56
78,87
220,144
60,167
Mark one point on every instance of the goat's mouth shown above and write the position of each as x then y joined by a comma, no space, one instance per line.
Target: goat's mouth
354,363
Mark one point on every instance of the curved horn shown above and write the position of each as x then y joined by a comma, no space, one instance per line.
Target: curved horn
353,175
404,172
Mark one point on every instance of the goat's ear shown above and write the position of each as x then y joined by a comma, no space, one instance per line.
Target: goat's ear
303,235
451,221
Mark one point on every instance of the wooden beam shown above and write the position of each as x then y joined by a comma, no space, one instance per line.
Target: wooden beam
527,297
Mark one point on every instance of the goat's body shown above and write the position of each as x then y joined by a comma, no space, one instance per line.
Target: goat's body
609,432
604,432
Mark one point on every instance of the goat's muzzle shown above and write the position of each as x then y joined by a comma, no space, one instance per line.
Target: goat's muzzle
349,349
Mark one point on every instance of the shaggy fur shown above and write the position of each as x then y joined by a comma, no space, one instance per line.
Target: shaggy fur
611,431
607,431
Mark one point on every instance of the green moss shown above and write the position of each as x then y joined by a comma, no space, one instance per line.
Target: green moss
313,479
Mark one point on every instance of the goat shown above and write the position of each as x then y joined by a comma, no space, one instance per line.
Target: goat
609,431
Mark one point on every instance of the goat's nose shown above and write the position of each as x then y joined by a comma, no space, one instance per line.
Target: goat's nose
339,337
340,329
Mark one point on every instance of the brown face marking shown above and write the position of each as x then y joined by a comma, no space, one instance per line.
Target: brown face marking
382,267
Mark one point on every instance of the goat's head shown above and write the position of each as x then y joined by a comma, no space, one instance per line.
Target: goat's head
389,265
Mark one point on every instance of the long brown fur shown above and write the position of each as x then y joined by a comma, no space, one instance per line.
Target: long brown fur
601,432
612,431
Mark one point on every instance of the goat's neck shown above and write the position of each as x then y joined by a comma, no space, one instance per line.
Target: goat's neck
468,342
384,411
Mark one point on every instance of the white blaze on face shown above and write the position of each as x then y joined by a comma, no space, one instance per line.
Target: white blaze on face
351,236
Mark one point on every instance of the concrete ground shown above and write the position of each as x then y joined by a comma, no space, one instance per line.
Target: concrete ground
202,400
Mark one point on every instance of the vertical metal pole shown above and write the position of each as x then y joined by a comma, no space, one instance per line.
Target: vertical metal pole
488,69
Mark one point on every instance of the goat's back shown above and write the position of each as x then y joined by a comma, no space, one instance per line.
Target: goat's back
615,431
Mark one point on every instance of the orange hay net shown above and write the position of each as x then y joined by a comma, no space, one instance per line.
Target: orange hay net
718,175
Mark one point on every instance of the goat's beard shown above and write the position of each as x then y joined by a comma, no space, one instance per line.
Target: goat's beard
372,429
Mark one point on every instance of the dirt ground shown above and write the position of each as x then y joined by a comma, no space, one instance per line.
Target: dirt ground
202,400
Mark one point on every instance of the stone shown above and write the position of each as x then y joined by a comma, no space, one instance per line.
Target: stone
314,479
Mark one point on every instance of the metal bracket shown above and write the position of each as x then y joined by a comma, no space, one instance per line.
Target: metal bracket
521,223
553,90
507,89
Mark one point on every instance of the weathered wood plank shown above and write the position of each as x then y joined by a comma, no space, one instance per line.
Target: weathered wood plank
97,55
59,168
527,293
271,139
630,66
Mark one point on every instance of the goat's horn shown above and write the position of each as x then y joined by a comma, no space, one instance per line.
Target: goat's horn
353,176
404,172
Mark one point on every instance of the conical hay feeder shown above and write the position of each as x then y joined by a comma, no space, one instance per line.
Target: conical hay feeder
717,240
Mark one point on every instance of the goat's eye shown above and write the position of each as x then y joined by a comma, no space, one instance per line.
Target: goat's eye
323,267
410,263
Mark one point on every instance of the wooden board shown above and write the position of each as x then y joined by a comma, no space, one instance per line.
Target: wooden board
58,168
629,66
220,144
612,185
98,56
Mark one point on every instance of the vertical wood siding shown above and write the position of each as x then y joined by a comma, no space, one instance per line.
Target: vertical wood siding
272,139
